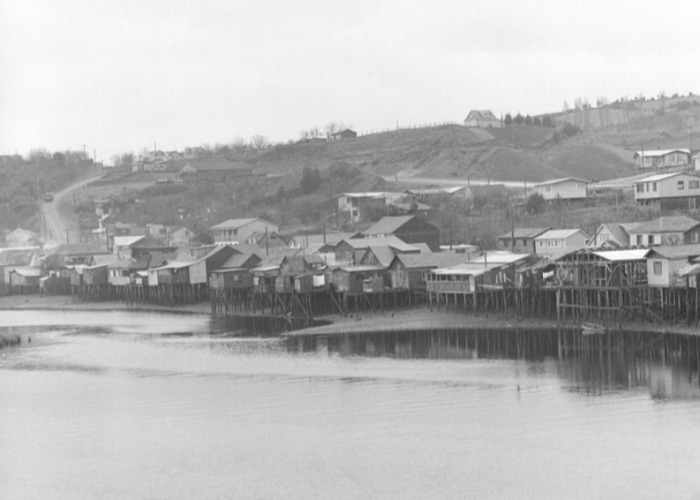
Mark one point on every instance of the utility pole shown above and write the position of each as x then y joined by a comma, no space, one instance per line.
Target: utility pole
84,151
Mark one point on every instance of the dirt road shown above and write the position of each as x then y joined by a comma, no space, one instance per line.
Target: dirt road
59,220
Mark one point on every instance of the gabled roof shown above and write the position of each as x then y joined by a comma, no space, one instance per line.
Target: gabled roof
660,152
389,224
559,234
240,260
675,251
127,241
79,249
16,257
482,114
376,195
618,231
659,177
524,232
559,181
239,223
668,224
384,254
308,240
391,241
360,269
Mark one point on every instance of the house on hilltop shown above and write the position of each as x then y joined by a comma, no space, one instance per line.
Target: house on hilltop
345,134
482,118
198,171
661,158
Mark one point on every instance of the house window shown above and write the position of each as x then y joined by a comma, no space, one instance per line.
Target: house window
694,237
548,188
654,186
658,267
640,188
681,185
693,184
639,240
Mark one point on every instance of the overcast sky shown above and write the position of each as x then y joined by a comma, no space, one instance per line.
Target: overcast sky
119,76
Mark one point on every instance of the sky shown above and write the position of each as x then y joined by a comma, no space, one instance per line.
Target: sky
121,76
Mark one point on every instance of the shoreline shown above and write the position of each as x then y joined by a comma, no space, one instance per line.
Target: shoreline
419,318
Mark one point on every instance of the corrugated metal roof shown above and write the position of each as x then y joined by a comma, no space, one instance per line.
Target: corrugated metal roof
675,251
238,223
500,257
623,255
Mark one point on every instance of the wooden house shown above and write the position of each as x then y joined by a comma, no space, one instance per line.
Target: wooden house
664,264
557,241
669,230
482,118
661,158
407,271
210,171
290,270
356,207
601,269
344,134
460,279
669,190
612,235
567,188
359,279
353,250
239,230
24,279
71,255
408,228
457,195
21,238
520,240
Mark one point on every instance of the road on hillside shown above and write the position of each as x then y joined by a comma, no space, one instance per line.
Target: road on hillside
620,183
434,181
60,224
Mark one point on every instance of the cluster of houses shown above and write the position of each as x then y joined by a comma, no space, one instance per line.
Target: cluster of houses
396,254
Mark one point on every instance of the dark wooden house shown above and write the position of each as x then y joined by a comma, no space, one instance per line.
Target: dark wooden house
408,228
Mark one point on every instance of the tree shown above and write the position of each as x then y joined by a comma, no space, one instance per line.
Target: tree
334,127
536,121
528,120
570,130
259,142
310,180
519,119
508,119
547,121
535,204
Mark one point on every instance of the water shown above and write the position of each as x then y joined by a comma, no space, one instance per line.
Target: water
137,405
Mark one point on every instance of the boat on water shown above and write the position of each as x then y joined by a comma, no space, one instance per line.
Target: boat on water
593,328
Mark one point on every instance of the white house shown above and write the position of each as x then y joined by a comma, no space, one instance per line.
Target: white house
659,187
239,230
612,235
355,206
482,118
667,230
661,158
567,188
665,262
557,241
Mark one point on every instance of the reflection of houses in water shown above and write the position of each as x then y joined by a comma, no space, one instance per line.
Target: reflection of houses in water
666,364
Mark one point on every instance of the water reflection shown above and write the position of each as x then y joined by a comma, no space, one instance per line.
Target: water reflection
667,365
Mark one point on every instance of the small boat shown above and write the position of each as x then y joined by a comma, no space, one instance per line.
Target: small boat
593,328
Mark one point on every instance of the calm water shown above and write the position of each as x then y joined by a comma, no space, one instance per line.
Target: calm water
128,405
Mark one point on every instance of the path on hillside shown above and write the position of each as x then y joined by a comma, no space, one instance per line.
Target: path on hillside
435,181
60,224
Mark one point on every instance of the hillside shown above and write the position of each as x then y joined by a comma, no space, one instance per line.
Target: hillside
511,153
